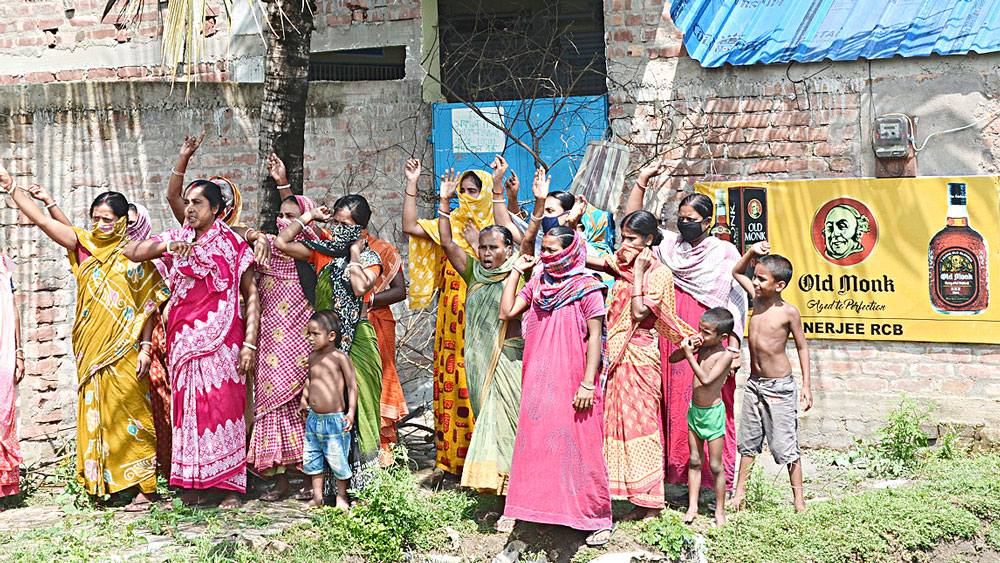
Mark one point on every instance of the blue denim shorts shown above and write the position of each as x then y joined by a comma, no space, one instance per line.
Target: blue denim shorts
326,440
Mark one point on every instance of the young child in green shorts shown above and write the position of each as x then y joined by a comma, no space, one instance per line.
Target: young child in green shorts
710,360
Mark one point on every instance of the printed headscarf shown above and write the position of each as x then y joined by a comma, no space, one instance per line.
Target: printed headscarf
563,277
331,286
139,230
233,218
426,256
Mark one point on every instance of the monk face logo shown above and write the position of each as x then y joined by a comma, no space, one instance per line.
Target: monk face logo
754,209
844,231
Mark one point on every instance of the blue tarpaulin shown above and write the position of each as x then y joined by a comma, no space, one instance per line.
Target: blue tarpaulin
744,32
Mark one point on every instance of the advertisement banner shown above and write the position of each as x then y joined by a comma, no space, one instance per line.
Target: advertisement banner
879,259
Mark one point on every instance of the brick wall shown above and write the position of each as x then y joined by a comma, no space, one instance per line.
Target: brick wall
813,121
81,139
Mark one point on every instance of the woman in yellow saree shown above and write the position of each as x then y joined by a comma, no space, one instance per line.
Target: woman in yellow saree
116,443
430,270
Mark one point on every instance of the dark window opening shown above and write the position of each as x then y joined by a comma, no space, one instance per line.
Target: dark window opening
351,65
520,49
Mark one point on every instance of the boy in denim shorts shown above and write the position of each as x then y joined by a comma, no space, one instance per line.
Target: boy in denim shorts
329,401
769,399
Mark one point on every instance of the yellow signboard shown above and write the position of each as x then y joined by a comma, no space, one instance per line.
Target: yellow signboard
881,259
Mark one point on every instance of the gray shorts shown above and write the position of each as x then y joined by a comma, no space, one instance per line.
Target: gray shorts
770,409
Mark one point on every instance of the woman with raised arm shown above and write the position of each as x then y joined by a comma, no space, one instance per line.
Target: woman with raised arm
390,288
344,271
212,346
430,270
116,443
283,355
641,308
493,348
701,265
557,474
11,373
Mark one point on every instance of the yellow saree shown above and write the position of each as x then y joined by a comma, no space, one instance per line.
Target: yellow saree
430,271
115,441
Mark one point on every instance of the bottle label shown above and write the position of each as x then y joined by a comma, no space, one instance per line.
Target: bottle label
957,276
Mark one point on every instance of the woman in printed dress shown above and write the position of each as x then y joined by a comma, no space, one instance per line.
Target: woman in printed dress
116,442
11,372
212,348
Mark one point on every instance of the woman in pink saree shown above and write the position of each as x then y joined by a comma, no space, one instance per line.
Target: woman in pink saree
211,350
11,372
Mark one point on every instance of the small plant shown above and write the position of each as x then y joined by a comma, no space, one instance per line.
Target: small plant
948,445
667,534
760,491
901,438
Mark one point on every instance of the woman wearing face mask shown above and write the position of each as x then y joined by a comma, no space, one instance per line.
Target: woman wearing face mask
641,307
700,264
493,349
212,348
429,271
558,474
344,271
116,444
283,360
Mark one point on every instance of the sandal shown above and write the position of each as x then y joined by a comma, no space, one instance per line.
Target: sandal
592,542
304,495
273,495
505,525
138,506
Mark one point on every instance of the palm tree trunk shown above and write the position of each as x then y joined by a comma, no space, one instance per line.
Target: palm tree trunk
283,108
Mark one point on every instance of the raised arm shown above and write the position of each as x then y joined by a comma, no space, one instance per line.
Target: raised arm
458,258
175,187
512,304
285,242
740,269
513,188
501,215
395,293
799,336
277,169
539,189
248,352
43,196
62,234
143,250
638,193
410,225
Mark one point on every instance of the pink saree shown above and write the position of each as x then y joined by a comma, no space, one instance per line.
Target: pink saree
10,448
204,334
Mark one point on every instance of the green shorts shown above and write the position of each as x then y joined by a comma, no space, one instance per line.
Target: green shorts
708,423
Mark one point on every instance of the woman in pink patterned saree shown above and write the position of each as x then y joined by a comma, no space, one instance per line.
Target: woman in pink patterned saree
11,372
211,350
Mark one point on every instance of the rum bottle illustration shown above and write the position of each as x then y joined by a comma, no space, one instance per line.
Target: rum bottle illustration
721,229
958,262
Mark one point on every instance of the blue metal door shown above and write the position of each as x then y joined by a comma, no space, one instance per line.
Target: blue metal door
464,141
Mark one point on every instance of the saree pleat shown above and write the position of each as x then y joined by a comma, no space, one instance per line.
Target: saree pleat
116,440
368,369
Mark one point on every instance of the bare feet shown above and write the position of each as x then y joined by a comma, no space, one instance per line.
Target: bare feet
505,525
690,515
305,493
437,476
313,503
141,503
230,502
642,513
800,505
342,504
720,519
192,497
280,490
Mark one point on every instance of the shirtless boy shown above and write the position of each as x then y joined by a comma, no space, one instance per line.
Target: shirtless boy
711,362
329,401
769,400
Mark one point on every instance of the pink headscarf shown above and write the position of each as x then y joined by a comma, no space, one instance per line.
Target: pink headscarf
139,231
563,277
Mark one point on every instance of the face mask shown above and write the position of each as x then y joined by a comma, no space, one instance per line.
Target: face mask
690,230
282,223
549,222
103,227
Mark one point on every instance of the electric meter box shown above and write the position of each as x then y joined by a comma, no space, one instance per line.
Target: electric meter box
891,134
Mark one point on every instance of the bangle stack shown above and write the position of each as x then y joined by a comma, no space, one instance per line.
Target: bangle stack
533,218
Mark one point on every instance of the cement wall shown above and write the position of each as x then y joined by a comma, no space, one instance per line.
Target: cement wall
84,138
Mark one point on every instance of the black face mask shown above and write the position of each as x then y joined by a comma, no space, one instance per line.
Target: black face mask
690,230
549,222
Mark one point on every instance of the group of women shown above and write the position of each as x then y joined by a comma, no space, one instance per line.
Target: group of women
171,332
550,387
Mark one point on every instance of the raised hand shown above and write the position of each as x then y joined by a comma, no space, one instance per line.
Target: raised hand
412,170
358,246
40,194
512,185
762,248
691,343
277,169
651,170
449,184
540,185
321,214
500,167
5,178
576,212
525,262
471,235
644,260
191,144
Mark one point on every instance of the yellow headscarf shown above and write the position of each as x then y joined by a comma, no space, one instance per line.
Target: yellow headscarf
425,255
234,217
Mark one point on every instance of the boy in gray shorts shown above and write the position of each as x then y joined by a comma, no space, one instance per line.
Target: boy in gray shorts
769,400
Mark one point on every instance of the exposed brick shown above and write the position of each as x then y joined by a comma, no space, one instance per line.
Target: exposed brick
976,371
39,77
766,135
796,118
98,73
788,149
752,150
956,386
716,105
826,149
841,164
68,75
865,384
760,104
131,71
